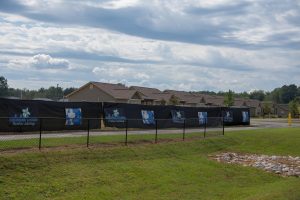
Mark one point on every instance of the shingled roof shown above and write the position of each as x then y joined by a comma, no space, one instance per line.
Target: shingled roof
150,93
215,100
118,91
240,102
184,96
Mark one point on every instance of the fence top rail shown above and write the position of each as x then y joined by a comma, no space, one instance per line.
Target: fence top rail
95,118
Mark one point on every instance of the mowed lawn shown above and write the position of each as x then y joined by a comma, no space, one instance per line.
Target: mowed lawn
172,170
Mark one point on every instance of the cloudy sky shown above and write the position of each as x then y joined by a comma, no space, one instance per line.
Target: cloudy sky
169,44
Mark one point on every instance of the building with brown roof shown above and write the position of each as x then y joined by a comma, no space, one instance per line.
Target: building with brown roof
188,98
153,96
214,100
119,93
105,92
277,110
282,110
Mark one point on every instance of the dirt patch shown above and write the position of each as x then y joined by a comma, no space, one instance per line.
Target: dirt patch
282,165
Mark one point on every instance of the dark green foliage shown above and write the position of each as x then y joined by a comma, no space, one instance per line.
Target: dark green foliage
294,107
282,95
288,93
258,95
53,92
3,86
174,100
69,90
285,94
163,102
267,108
229,99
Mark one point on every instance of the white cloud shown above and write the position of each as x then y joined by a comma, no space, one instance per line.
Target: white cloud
46,61
176,44
40,62
115,4
119,73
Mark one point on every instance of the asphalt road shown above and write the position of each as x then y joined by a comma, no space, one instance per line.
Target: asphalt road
255,124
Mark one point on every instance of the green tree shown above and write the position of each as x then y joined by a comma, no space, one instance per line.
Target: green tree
69,90
174,100
288,93
285,94
294,108
54,93
229,98
267,108
243,95
258,95
3,86
163,102
275,95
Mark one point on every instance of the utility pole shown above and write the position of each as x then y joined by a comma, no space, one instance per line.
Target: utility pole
57,95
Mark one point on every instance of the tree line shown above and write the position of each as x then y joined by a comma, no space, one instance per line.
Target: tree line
282,95
54,93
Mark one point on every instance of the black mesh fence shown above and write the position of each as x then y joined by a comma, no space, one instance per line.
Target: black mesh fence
92,131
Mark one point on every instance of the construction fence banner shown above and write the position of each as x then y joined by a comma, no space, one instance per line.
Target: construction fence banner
30,115
236,115
147,116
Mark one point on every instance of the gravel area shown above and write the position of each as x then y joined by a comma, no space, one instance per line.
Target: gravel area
281,165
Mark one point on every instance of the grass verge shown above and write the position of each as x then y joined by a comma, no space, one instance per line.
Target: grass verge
175,170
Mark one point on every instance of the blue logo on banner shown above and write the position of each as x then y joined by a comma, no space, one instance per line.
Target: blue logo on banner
114,115
73,116
23,119
228,117
202,116
148,116
177,116
245,115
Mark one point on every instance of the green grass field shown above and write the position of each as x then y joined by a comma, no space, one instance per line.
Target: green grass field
167,170
98,140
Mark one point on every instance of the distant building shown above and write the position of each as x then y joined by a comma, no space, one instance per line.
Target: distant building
254,105
105,92
282,110
188,98
119,93
278,110
153,96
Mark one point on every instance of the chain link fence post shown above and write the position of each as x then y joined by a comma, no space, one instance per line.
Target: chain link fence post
156,131
126,131
88,133
183,133
40,138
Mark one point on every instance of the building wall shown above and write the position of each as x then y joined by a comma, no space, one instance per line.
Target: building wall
258,111
191,105
91,94
121,101
159,103
282,111
252,112
134,101
147,102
